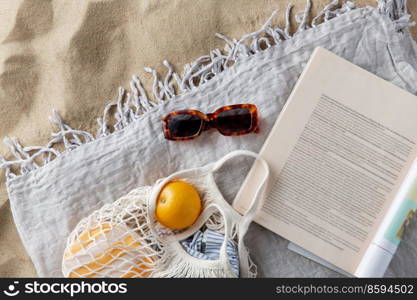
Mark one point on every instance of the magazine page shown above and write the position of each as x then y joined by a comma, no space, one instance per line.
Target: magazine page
338,154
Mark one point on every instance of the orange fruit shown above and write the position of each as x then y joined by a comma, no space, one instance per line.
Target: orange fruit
178,205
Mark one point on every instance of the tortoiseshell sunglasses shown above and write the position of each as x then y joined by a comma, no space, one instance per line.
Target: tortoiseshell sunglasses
229,120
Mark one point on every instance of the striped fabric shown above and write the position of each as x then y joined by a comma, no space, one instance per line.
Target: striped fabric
207,244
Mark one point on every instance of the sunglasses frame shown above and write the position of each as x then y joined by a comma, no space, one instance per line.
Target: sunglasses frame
208,121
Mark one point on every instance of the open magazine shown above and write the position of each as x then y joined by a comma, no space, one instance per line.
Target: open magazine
343,162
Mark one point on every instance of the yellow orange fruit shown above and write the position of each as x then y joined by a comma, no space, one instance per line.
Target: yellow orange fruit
107,256
178,205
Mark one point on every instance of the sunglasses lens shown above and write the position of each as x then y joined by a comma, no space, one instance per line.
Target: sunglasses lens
234,120
185,125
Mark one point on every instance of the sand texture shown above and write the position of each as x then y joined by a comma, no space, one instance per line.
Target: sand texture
72,56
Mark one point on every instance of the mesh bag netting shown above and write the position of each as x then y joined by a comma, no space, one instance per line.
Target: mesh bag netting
114,241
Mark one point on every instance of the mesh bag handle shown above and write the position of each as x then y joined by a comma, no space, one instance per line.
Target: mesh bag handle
211,208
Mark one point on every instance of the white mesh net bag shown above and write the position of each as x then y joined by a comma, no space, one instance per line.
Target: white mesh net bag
123,239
